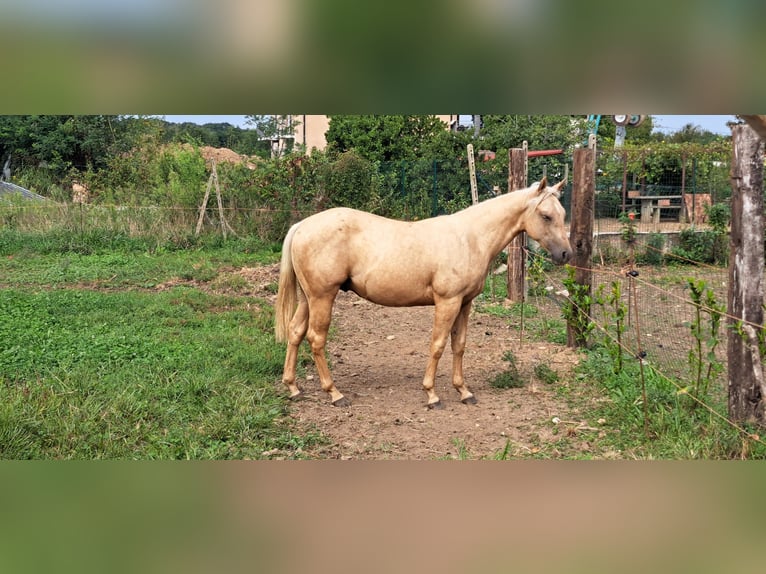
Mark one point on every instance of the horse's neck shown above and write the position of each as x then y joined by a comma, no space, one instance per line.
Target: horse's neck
497,221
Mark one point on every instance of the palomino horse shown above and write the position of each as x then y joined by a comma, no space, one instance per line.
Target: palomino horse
442,261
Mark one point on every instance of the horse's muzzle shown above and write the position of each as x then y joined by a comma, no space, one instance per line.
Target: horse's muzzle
561,256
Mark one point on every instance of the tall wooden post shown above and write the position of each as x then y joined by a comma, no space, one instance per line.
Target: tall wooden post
581,229
684,215
472,175
747,392
517,179
624,181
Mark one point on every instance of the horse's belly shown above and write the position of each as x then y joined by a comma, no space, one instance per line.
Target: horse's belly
394,294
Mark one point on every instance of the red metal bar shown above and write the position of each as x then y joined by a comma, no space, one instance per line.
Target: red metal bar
544,152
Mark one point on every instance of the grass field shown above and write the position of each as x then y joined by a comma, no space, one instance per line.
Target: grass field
120,347
95,362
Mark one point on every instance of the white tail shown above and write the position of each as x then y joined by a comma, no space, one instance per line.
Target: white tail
287,294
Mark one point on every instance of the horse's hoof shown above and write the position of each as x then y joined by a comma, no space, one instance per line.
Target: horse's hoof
296,397
341,402
469,400
438,405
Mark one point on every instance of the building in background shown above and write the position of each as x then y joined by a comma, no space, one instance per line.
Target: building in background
310,130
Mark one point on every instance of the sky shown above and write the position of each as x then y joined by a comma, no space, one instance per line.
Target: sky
662,123
715,124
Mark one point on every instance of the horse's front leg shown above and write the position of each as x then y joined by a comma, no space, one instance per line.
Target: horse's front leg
458,336
445,312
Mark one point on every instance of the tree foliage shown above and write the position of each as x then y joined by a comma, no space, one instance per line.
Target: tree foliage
80,143
408,166
634,135
62,143
693,134
383,138
541,132
243,141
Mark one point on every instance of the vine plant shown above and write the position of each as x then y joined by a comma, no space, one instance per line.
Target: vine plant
703,362
615,311
576,309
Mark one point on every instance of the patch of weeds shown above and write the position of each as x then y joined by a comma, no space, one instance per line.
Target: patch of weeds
230,282
545,374
537,268
576,310
504,453
510,378
523,309
494,310
674,430
555,331
462,450
202,272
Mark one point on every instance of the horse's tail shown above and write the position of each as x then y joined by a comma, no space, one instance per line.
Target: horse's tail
287,294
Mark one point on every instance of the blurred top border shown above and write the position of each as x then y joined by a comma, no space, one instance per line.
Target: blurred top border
338,56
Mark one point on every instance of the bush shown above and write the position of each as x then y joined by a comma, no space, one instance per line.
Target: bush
701,246
350,181
655,245
510,378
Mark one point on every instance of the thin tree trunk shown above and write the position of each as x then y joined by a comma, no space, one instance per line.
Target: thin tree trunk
746,393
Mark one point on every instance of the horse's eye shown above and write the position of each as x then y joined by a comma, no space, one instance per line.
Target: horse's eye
546,218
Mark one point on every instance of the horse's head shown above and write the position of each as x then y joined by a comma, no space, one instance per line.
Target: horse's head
544,220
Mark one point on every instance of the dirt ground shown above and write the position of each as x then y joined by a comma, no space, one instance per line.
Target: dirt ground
378,356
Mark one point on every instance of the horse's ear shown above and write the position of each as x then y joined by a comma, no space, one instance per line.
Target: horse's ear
543,184
558,187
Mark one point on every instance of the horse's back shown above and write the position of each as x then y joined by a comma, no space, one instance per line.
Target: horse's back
346,217
343,226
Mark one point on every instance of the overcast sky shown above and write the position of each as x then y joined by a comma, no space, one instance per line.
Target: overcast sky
662,123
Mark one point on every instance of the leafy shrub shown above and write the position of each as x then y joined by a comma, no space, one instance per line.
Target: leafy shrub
655,245
510,378
701,246
546,374
350,181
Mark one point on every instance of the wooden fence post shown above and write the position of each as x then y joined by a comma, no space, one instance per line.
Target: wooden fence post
581,229
517,179
472,175
747,393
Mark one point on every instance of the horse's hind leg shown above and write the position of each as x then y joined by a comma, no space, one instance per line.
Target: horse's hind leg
458,337
295,334
320,313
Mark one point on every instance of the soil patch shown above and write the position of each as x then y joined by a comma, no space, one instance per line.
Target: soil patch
378,356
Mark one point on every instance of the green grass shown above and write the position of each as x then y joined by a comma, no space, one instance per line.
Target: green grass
178,374
95,365
676,429
34,259
95,362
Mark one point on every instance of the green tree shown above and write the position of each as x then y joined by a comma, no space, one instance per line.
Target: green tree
541,132
383,138
501,132
691,133
242,141
65,143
